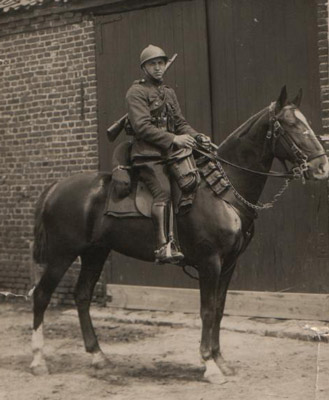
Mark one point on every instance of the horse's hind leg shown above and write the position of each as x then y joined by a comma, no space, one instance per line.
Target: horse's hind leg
91,268
54,272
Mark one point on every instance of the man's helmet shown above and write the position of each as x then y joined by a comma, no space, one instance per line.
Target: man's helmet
150,52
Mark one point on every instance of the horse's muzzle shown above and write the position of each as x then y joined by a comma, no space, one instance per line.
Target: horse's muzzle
318,168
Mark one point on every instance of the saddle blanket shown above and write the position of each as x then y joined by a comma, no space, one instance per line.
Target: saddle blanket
137,204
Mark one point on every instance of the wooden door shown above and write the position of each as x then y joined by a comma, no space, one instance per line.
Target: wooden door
234,57
255,48
177,28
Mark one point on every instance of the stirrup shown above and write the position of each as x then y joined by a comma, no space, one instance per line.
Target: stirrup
168,253
175,251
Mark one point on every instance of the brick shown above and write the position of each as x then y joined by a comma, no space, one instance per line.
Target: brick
323,43
323,34
322,12
323,59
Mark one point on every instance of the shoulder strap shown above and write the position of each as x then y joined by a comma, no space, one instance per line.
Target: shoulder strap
139,81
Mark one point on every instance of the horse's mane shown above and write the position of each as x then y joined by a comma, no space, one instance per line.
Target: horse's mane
245,127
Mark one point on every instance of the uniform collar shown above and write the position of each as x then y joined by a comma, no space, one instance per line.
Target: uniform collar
153,81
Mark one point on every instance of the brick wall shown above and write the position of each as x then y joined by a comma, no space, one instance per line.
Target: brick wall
322,11
48,127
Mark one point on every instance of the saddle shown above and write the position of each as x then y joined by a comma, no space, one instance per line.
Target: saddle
129,197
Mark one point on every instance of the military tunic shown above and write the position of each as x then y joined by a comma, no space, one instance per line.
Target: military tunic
155,117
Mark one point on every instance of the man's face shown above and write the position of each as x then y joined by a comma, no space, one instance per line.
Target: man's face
155,68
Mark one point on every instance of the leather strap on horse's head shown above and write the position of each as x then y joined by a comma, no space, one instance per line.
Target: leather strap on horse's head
276,132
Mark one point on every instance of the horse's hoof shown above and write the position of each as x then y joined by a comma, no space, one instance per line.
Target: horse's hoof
213,374
99,360
226,369
39,370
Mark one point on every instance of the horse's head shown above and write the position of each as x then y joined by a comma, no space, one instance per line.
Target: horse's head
294,140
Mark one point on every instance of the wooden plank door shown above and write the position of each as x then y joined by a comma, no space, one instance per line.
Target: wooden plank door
256,47
177,28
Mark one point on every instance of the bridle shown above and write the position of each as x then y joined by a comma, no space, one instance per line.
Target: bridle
276,134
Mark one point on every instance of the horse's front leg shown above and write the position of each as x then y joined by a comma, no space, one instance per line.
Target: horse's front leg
224,280
209,272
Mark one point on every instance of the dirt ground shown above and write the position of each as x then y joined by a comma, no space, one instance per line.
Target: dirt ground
153,361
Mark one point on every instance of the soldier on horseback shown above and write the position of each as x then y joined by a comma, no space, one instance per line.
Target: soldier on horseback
159,129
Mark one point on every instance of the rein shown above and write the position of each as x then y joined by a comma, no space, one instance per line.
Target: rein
274,133
216,157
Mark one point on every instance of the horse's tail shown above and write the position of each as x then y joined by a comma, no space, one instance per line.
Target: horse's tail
40,232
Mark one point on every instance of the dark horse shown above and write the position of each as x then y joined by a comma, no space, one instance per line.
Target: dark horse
70,222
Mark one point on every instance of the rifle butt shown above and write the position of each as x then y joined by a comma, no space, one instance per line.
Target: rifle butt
114,130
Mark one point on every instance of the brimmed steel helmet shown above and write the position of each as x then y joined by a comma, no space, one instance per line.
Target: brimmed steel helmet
150,52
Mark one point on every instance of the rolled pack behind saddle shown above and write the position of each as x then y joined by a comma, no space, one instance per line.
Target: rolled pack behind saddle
129,197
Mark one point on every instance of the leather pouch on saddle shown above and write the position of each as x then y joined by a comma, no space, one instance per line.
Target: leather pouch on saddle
182,168
120,169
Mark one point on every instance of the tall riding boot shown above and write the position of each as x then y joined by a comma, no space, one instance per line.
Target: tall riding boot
161,221
162,252
176,254
158,219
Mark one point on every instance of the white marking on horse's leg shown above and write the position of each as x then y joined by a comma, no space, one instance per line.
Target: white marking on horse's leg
226,369
31,291
38,365
213,374
99,360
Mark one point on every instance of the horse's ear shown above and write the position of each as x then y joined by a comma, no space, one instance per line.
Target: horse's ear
297,100
282,100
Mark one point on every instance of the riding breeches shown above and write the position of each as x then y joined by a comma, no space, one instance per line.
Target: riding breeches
154,175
